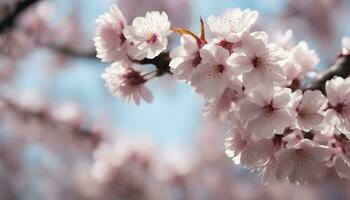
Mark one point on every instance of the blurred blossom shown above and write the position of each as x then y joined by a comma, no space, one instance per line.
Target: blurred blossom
179,11
8,69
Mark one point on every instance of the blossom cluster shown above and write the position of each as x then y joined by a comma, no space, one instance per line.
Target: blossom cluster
246,78
123,45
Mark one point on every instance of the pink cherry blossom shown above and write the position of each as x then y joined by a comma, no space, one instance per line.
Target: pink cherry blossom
286,40
257,62
338,111
266,111
268,173
308,108
302,60
305,57
291,70
221,106
233,24
185,58
122,80
342,161
237,139
148,35
109,39
257,153
303,162
212,76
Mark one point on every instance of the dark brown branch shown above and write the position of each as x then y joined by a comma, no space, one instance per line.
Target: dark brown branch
9,20
71,52
161,62
340,68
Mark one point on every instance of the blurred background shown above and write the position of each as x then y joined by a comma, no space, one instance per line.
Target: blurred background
63,136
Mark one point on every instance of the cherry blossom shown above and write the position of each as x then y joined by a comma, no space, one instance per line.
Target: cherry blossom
246,82
148,35
266,111
233,24
286,40
342,161
280,121
124,81
257,154
258,63
185,58
236,141
221,106
338,111
308,108
301,61
268,173
303,162
109,39
212,76
305,57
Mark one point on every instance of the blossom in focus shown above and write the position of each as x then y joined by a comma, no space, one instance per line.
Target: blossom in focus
257,62
212,76
122,80
257,153
221,106
237,139
185,58
266,111
109,39
233,24
148,35
308,108
303,162
342,161
338,111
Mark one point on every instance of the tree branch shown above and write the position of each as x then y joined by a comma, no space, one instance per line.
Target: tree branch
161,62
70,52
340,68
9,20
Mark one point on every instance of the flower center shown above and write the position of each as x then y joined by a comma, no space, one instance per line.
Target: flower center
134,78
268,108
220,68
257,61
339,107
303,114
152,38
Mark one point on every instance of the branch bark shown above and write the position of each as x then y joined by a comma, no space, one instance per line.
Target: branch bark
9,20
340,68
161,62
